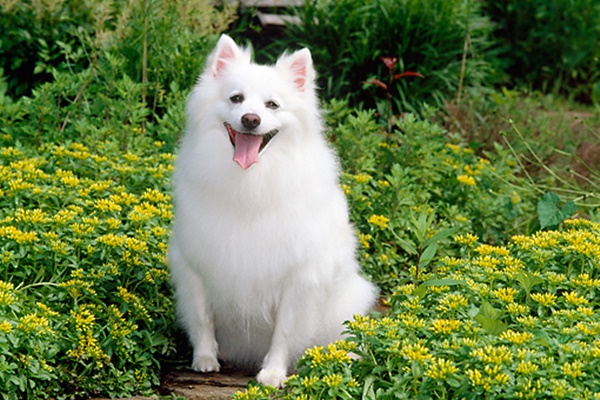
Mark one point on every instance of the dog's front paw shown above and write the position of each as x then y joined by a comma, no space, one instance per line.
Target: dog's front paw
205,363
272,376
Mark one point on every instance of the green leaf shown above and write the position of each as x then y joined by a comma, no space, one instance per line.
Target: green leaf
427,255
489,319
492,326
528,280
488,311
406,245
443,234
420,291
550,214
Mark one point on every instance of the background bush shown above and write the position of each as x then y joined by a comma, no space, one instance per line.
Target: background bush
348,38
549,45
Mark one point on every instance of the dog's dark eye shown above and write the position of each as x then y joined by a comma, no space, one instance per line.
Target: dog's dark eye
273,105
237,98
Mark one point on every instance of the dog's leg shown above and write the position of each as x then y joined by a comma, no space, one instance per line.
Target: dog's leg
195,313
294,327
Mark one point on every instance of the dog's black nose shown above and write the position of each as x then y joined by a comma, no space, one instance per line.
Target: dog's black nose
250,120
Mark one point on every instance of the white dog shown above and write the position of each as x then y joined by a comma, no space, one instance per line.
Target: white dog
262,254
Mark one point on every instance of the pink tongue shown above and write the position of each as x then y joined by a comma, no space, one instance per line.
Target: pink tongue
246,149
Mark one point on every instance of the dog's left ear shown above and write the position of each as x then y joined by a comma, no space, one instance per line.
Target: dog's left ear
299,66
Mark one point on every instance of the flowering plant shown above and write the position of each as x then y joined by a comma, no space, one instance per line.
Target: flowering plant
85,303
499,322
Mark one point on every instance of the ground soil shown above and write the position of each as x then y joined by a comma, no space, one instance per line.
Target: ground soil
213,386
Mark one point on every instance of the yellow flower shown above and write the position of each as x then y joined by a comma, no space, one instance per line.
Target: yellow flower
545,299
107,205
454,147
516,308
586,281
493,355
506,294
467,239
440,368
379,221
575,299
309,382
486,249
7,296
573,370
490,377
416,352
466,180
516,337
333,380
527,367
143,212
35,216
364,240
446,326
362,178
17,235
32,323
452,302
6,327
155,196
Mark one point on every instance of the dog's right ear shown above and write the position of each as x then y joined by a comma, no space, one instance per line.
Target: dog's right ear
226,52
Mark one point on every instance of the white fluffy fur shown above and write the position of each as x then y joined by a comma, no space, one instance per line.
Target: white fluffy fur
263,259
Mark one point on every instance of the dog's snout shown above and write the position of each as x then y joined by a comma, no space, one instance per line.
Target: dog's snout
250,121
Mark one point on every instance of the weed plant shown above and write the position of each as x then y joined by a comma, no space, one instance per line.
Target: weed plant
555,141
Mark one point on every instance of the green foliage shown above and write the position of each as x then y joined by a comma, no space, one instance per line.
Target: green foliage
498,322
40,36
550,45
347,39
411,190
550,214
132,67
555,142
85,304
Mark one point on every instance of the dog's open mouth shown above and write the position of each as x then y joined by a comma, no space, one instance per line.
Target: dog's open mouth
247,146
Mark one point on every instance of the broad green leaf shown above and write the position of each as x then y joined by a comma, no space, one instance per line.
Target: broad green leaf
550,214
528,280
489,319
488,311
427,255
420,291
443,234
492,326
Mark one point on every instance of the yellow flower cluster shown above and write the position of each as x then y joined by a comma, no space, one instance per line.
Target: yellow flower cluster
379,221
84,232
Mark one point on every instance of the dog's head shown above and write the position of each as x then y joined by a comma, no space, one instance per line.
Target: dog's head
257,104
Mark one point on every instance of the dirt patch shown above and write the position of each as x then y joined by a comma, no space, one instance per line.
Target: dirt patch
213,386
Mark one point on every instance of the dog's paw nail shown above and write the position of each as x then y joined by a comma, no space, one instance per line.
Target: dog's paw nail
206,364
272,377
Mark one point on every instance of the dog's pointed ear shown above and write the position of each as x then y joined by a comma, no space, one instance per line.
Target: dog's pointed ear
300,67
225,53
